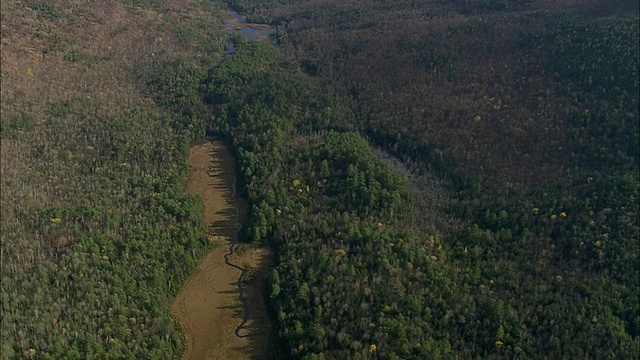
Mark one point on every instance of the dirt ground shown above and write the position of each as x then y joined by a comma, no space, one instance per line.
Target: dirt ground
208,307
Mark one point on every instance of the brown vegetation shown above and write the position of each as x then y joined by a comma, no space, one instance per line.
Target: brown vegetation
208,307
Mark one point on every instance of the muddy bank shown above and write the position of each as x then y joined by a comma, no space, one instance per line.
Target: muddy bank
209,307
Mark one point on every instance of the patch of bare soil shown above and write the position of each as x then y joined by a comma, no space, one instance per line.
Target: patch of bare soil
208,307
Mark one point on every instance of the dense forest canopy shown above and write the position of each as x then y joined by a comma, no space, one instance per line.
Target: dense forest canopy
438,179
529,111
98,234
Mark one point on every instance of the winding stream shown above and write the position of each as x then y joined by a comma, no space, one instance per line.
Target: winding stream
206,307
237,23
223,317
232,248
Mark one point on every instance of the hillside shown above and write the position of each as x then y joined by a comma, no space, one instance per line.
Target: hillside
437,179
98,234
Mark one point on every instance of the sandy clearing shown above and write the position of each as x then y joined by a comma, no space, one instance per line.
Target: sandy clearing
208,307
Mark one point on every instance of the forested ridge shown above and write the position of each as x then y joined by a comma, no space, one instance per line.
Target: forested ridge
504,222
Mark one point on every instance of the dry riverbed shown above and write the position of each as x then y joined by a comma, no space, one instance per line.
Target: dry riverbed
208,307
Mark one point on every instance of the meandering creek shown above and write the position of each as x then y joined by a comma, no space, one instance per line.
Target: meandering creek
221,315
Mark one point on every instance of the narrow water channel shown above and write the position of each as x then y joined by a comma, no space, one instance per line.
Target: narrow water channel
222,316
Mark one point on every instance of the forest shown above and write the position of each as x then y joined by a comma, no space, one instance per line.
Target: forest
438,179
521,117
98,233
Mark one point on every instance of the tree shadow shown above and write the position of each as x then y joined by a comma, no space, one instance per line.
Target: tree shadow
223,167
252,320
249,304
